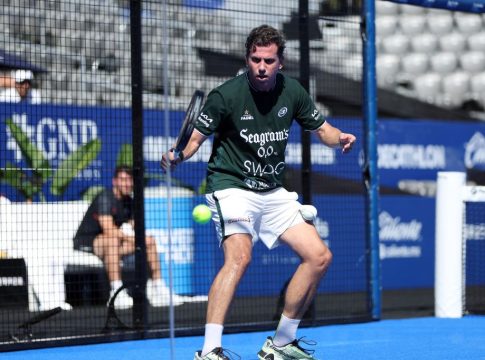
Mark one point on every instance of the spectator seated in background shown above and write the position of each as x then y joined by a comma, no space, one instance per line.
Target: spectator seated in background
107,231
22,92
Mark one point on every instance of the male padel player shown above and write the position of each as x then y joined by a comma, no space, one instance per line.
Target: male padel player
250,116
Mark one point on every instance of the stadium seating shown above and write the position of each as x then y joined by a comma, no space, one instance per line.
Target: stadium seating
387,68
453,42
440,23
456,87
428,86
396,44
478,83
441,52
476,42
468,23
82,37
424,43
473,61
412,24
386,25
444,62
386,8
415,63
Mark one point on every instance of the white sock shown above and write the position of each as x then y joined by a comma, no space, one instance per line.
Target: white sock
286,331
116,284
212,337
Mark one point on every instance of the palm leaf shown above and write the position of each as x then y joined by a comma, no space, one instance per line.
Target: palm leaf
14,176
125,155
31,153
91,193
73,164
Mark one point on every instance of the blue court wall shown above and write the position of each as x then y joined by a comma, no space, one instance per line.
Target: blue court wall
411,152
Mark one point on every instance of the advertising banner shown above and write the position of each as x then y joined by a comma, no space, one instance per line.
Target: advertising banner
410,153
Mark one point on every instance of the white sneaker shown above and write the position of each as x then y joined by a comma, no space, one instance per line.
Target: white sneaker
63,305
159,295
123,300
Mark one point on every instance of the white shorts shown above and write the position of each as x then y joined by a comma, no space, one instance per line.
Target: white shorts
263,215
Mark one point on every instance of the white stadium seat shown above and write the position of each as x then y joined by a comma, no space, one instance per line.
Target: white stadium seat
456,86
477,84
453,42
412,24
444,62
386,8
415,63
468,23
428,86
425,43
476,42
340,45
351,66
387,67
386,25
412,9
395,44
441,23
473,61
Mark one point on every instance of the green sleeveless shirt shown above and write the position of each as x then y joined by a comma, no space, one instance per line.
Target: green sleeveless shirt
251,131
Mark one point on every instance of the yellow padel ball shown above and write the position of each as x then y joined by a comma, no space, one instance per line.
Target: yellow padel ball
201,214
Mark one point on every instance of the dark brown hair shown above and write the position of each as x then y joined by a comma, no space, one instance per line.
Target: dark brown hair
265,35
123,169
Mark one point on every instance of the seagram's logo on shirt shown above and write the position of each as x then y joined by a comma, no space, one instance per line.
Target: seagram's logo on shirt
247,116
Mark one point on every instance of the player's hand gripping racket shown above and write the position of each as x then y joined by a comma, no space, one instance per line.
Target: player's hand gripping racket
187,128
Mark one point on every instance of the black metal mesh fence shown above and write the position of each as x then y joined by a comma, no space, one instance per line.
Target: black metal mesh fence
473,271
61,141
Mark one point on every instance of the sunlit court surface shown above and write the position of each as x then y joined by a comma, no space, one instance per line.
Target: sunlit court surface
419,338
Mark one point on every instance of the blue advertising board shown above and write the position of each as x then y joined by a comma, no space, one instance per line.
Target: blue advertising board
416,150
410,153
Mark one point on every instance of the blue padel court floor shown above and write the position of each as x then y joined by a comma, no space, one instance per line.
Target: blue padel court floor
406,339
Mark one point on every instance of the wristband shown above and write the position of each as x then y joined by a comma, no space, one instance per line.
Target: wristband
180,154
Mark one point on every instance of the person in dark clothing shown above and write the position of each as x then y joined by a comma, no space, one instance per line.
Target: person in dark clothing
107,231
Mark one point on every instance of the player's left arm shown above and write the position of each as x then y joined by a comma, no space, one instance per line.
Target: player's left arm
335,138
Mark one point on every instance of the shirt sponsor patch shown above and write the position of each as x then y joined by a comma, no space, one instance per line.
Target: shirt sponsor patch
315,114
204,119
238,219
282,112
247,116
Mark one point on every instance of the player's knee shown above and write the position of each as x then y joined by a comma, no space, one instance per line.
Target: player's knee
240,261
112,243
322,259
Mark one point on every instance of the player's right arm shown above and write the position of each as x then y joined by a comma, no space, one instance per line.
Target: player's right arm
196,140
205,125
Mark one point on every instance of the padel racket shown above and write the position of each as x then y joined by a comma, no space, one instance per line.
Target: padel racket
187,128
